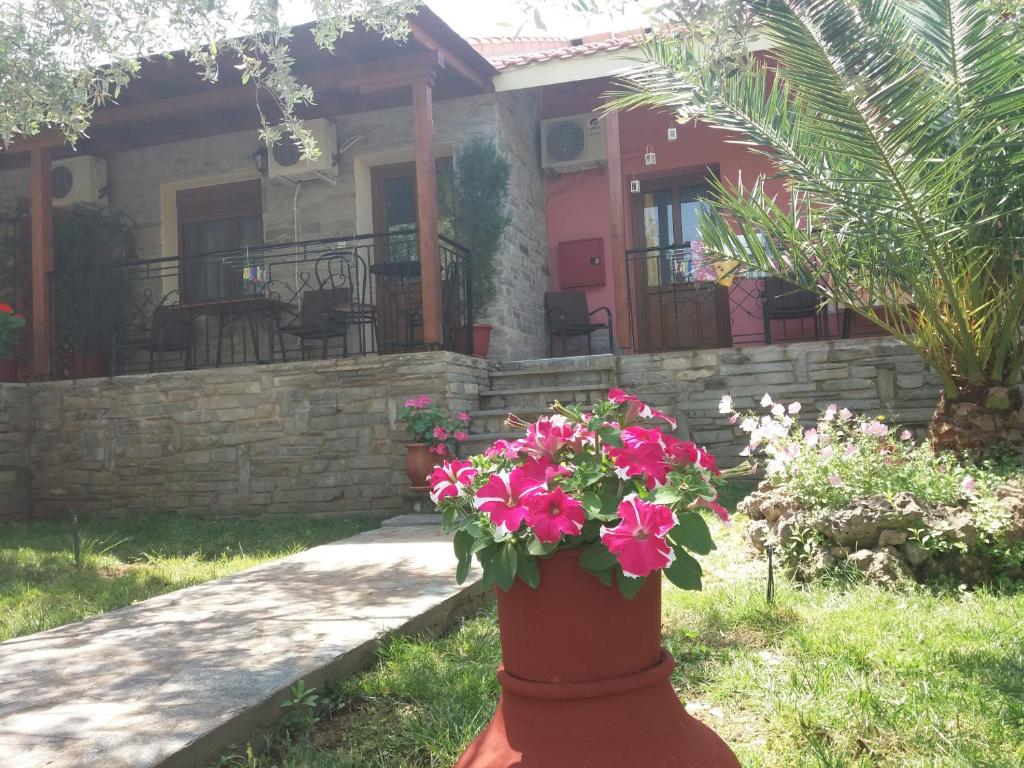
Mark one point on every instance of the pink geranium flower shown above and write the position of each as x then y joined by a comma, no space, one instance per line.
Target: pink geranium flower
440,433
637,408
503,498
638,541
464,417
461,436
554,513
450,479
418,402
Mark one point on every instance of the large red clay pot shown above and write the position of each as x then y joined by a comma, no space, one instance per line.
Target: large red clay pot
585,682
419,463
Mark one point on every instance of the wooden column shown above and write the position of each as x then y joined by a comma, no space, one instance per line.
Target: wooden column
426,213
41,215
617,227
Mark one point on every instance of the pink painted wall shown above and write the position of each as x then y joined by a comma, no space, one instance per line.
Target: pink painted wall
578,203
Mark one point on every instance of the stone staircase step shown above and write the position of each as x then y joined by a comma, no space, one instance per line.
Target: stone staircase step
555,365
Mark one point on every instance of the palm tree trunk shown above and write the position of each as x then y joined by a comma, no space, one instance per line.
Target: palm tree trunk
977,419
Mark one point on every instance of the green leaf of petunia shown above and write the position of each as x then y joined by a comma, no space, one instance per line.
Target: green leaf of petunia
685,572
692,533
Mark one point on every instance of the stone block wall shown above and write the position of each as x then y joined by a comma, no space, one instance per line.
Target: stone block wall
310,437
15,436
875,376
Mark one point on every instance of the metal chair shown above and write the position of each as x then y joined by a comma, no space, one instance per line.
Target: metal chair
566,314
781,300
165,329
313,321
346,270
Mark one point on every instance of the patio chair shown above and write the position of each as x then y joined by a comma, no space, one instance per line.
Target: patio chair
314,321
166,329
781,300
347,271
566,314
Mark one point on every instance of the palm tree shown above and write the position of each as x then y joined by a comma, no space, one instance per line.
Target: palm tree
899,127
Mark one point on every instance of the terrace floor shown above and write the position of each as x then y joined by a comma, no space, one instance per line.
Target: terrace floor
175,680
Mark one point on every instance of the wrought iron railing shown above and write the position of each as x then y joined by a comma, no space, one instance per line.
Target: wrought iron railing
285,301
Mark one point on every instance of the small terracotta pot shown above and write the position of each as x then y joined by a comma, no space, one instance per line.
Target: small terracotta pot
8,369
481,339
419,463
585,681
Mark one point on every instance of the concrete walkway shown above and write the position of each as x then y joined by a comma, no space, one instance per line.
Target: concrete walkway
174,680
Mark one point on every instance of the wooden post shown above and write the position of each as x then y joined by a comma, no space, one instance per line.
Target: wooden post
41,215
426,213
617,221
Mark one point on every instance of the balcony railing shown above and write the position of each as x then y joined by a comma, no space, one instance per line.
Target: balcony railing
272,303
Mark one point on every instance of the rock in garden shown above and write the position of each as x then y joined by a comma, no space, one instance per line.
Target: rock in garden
887,567
757,533
862,559
914,553
769,505
891,538
860,524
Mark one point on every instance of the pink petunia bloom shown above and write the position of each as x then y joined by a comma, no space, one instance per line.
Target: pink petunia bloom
906,434
554,513
830,412
714,506
642,455
845,414
794,409
766,401
450,479
969,485
504,449
461,436
850,451
725,404
835,481
440,433
464,417
827,452
503,497
778,410
637,408
543,471
550,434
638,541
811,437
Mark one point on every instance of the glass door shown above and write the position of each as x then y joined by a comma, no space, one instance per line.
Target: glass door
678,304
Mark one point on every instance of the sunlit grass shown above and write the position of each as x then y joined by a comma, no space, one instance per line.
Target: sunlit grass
125,560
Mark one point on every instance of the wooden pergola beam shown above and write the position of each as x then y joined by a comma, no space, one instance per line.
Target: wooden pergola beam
426,213
418,31
41,219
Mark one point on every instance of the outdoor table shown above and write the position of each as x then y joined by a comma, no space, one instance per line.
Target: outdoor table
227,310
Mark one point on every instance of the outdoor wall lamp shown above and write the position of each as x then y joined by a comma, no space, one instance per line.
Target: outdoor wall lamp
260,160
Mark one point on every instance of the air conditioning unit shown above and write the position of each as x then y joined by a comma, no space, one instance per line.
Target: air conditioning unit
572,143
79,179
284,160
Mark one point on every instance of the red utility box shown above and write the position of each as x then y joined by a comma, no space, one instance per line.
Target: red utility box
581,263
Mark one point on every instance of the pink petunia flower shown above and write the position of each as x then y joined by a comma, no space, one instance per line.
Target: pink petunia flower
637,408
714,506
845,414
811,437
642,455
550,434
725,404
504,449
543,470
554,513
503,497
906,434
766,401
835,481
830,412
440,433
794,409
969,485
827,452
450,479
778,410
850,450
638,541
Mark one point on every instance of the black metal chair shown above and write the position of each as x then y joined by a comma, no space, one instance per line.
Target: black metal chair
781,300
347,270
566,314
313,321
164,329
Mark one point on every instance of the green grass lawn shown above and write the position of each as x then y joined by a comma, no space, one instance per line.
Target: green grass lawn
840,675
130,559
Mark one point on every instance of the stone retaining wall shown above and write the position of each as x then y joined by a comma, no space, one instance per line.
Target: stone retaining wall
872,375
315,437
15,434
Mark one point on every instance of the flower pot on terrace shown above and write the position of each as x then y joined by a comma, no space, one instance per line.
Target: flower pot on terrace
8,369
585,681
419,463
481,339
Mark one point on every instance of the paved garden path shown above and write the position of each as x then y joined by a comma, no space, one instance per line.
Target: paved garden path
174,680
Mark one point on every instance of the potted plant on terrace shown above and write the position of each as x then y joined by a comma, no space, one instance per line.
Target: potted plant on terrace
11,325
436,435
481,191
575,523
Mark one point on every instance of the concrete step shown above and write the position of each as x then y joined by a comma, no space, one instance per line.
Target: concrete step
554,364
490,421
540,397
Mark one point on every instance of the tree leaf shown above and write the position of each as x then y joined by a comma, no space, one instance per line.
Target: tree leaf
692,533
629,586
504,566
528,569
685,572
596,557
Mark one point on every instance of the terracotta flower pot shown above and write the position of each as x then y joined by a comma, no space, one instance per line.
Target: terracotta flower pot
585,682
481,339
8,369
419,463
